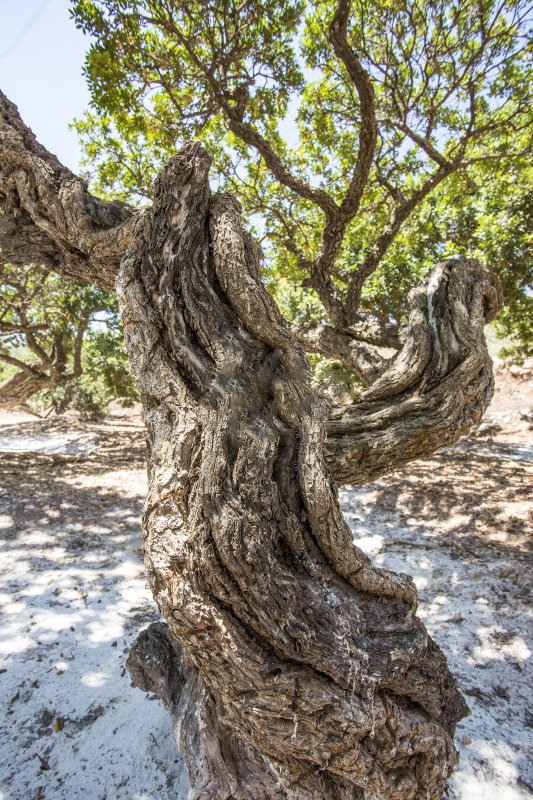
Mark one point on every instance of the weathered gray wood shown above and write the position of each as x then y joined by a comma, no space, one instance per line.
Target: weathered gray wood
49,216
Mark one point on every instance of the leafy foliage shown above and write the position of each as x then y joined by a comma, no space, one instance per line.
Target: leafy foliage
64,337
277,102
106,375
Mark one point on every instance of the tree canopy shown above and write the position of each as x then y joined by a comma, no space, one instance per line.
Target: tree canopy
363,142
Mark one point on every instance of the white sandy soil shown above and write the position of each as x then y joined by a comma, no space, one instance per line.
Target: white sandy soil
73,598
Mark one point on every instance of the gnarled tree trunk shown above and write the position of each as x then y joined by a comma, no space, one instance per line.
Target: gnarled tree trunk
292,667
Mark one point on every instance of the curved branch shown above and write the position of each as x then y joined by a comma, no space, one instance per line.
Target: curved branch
30,369
438,387
49,216
248,134
364,361
369,129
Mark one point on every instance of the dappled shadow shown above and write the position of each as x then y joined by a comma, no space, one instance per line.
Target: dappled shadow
73,599
473,502
119,442
460,524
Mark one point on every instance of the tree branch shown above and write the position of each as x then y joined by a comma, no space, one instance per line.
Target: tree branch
37,349
437,388
399,215
78,343
30,369
368,129
248,134
364,361
49,216
245,131
336,222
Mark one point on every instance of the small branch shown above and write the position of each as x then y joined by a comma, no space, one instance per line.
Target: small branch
364,361
424,143
37,349
233,108
31,369
248,134
398,216
336,223
78,343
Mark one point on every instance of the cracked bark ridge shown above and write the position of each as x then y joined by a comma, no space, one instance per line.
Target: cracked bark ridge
302,671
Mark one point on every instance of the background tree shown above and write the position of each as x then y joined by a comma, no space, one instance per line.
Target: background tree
292,667
60,343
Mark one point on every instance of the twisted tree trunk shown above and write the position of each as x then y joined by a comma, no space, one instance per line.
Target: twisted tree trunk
292,667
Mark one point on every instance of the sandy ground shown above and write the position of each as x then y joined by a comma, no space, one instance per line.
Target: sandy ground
73,598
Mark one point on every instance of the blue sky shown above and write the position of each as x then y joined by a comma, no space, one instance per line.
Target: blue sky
41,60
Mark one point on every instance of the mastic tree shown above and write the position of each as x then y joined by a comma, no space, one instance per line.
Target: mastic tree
43,321
291,666
60,343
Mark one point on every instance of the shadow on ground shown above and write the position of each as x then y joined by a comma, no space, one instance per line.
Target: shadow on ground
73,597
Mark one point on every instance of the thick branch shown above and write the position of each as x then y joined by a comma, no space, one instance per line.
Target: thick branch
368,129
337,221
49,216
373,331
438,387
22,242
19,388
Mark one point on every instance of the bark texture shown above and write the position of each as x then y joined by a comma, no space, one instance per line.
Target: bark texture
292,667
48,216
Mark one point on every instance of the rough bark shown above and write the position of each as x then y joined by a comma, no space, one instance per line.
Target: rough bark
291,666
49,217
436,389
362,360
302,671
